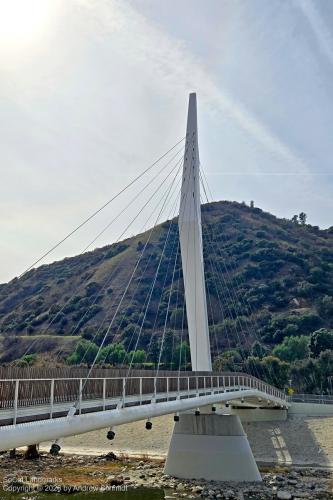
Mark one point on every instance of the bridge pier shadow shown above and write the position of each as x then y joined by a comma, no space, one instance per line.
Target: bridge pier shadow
298,441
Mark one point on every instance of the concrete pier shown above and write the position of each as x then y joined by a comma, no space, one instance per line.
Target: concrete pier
213,447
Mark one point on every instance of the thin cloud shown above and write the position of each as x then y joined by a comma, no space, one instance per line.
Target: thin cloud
319,27
174,66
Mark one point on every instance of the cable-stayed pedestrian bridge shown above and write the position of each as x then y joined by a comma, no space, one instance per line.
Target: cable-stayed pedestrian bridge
204,443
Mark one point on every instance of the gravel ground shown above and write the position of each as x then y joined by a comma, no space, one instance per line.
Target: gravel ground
69,474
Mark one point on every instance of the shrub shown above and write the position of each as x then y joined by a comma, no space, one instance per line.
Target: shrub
293,348
321,340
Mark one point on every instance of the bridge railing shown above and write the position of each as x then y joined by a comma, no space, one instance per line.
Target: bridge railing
107,392
311,398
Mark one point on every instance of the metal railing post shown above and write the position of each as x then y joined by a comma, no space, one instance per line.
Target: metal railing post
124,392
104,393
188,387
197,385
211,385
16,401
52,398
140,384
155,388
80,396
167,388
178,386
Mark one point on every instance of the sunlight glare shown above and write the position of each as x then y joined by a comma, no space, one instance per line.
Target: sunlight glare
22,21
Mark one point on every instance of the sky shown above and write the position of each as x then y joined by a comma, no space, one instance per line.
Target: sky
94,91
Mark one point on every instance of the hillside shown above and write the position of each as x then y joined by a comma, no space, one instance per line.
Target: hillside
268,280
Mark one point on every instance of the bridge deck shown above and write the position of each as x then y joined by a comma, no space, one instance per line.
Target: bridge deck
52,398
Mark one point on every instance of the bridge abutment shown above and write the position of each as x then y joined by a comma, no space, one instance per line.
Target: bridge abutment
212,447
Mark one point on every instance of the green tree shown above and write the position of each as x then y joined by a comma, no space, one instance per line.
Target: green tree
258,350
325,306
177,317
28,360
325,365
275,371
85,352
321,340
137,357
302,218
114,354
154,348
305,376
229,360
182,355
168,345
293,348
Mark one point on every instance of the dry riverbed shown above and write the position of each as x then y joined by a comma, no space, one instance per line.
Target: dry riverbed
297,441
72,473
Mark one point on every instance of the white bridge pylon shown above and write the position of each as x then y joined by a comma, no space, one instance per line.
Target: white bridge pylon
190,236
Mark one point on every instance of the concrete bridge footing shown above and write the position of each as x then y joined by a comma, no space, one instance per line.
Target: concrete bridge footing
213,447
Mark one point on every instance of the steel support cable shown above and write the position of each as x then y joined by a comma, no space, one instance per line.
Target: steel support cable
123,234
212,318
162,290
182,330
144,206
114,271
160,302
235,299
174,321
106,284
100,209
167,312
224,286
103,341
195,296
184,303
180,218
138,283
146,302
149,298
173,329
96,295
165,196
220,302
176,309
186,192
250,326
144,308
120,303
235,319
133,200
184,278
214,334
248,305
